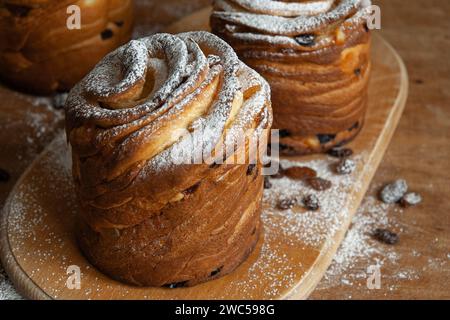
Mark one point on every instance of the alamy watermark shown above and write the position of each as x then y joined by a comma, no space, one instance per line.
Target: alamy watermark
202,146
74,280
373,17
374,278
73,22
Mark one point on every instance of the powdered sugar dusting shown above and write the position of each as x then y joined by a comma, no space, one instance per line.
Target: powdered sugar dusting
308,17
358,244
279,23
114,97
34,128
7,291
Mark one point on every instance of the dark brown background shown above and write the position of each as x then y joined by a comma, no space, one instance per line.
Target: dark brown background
420,150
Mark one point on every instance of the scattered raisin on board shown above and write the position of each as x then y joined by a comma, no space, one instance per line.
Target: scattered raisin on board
410,200
386,236
300,173
319,184
311,202
285,204
340,152
4,175
345,166
394,192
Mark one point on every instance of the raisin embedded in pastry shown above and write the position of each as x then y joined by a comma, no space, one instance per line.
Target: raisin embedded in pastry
41,55
316,57
146,217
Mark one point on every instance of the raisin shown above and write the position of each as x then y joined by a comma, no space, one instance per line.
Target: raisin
4,175
216,272
325,138
18,10
300,173
214,165
267,183
286,204
107,34
345,166
306,40
386,236
287,150
174,285
394,192
284,133
366,27
340,153
59,100
192,189
411,199
311,202
319,184
354,126
251,169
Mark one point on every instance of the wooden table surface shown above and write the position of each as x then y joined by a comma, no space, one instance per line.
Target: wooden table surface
419,153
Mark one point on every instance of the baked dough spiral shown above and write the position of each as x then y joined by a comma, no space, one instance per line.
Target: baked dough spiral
41,55
148,218
315,56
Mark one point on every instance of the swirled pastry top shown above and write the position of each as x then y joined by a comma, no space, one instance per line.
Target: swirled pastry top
135,108
280,21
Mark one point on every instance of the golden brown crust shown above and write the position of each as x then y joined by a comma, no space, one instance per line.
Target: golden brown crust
317,64
148,218
39,54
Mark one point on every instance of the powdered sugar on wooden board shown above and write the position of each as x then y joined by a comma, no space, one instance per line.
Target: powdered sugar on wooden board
7,291
37,127
358,244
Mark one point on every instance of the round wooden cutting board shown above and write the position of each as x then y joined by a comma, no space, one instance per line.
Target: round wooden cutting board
38,246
